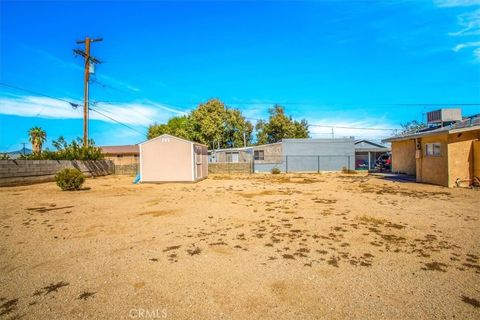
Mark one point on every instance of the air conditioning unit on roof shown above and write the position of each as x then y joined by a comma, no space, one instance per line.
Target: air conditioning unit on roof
444,115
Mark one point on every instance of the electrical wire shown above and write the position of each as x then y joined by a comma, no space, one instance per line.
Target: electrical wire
115,120
340,127
74,105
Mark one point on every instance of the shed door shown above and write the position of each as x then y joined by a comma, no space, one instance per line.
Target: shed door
198,162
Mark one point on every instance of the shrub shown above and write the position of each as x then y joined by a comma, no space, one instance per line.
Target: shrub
68,151
275,171
69,179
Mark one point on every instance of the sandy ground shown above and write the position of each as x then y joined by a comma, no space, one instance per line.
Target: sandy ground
262,246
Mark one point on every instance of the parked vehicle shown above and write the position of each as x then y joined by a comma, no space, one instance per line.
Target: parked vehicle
384,162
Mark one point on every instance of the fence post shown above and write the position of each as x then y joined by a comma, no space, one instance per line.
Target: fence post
348,168
286,164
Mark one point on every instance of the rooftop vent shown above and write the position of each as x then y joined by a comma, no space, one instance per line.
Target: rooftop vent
444,115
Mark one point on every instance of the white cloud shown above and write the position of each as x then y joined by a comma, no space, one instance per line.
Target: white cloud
469,23
476,53
136,114
461,46
457,3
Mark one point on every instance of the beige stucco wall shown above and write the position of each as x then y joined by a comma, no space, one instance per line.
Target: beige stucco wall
272,153
403,156
476,159
431,169
166,159
461,156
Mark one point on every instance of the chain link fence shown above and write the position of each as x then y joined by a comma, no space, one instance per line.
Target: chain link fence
305,163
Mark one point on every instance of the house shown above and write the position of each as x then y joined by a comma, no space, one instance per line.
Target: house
366,154
121,155
447,154
293,155
261,153
125,158
171,159
230,155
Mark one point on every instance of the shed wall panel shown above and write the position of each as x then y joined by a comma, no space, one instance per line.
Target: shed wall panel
166,159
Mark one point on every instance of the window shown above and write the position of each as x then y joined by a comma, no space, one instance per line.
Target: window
232,156
433,149
258,155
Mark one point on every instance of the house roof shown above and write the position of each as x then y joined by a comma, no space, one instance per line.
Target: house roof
126,149
469,124
366,145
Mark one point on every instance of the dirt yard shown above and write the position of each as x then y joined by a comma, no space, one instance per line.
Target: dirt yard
260,246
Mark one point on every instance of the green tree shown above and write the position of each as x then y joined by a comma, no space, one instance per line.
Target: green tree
37,137
179,126
260,128
237,130
208,122
412,126
211,123
280,126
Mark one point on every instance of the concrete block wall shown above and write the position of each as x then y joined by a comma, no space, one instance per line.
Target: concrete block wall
23,172
127,169
238,167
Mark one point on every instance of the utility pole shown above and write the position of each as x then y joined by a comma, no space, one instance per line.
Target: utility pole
244,139
88,60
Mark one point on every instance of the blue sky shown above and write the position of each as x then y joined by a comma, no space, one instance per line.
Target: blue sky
335,63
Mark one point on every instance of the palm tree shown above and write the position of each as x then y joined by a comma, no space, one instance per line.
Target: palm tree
37,138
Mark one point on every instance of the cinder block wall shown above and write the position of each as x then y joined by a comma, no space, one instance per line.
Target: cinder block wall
23,172
127,169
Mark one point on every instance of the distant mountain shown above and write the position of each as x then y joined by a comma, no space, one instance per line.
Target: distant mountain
18,153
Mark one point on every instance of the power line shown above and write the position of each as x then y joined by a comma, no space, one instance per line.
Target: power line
115,120
340,127
326,104
354,128
103,85
74,105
